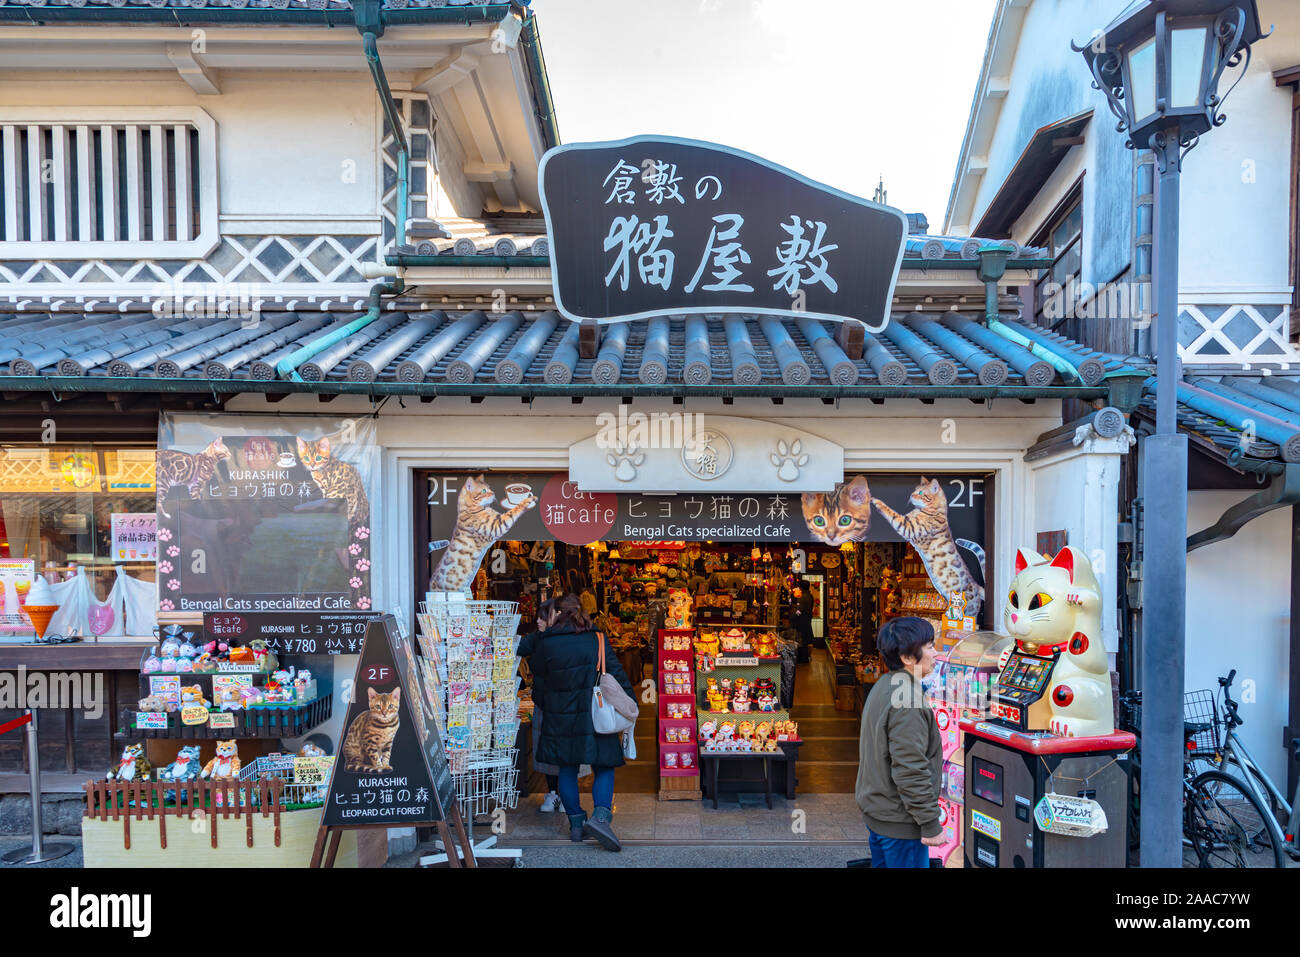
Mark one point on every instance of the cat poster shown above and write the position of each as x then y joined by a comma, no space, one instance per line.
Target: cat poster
391,767
278,508
845,515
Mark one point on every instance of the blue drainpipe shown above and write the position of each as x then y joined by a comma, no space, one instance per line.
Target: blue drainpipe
1059,363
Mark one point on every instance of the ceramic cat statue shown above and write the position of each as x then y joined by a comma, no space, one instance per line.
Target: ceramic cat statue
1056,605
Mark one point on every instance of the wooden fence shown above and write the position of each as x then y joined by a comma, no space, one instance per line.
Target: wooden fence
199,800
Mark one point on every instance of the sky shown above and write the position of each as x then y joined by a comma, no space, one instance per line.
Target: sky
843,91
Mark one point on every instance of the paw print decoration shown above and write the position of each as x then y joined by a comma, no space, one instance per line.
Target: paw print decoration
788,459
624,462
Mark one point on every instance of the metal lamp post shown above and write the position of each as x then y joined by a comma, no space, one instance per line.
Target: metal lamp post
1159,64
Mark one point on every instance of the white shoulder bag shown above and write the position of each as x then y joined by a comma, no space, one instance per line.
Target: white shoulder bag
612,711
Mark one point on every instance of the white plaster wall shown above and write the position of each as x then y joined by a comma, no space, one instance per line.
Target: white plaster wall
1235,207
1078,491
282,137
1235,192
1238,616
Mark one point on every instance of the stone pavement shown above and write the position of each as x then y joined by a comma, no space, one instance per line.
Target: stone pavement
808,819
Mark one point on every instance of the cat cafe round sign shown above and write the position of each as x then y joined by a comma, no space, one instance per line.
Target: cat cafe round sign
576,517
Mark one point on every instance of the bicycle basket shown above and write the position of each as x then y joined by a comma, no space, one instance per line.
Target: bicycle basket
1199,708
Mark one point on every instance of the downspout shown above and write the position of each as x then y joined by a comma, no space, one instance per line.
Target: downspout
536,65
371,28
370,43
993,260
1057,362
287,368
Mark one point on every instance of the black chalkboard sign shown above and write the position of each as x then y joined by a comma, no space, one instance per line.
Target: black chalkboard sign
391,768
292,632
658,226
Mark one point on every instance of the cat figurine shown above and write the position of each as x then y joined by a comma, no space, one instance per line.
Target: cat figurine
185,767
926,529
335,478
679,608
1056,605
369,741
132,766
478,525
192,470
193,695
839,516
225,763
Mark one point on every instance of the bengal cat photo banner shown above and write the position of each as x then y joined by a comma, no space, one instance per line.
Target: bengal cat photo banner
265,513
940,516
546,506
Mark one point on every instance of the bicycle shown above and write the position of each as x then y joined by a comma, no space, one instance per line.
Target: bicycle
1279,823
1222,821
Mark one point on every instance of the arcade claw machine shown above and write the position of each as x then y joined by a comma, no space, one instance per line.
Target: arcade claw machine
966,667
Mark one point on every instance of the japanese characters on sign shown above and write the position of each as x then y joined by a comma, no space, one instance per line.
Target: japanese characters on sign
652,226
135,536
302,633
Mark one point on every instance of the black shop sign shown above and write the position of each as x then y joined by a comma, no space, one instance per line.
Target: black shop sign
299,633
658,226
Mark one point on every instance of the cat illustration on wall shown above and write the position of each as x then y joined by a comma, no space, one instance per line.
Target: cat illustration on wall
368,746
192,470
1056,606
926,529
478,525
841,515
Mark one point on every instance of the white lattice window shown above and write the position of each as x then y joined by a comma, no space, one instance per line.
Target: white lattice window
120,182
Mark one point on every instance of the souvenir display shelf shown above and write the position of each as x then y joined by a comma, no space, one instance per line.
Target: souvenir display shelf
679,772
278,699
470,664
727,668
286,721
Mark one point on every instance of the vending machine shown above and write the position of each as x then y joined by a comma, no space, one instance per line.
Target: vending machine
1035,799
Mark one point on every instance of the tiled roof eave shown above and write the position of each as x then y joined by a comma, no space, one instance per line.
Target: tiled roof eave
149,384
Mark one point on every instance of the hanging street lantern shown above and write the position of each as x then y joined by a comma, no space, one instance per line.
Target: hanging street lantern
1159,64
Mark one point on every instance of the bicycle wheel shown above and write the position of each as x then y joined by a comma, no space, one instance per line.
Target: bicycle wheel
1226,825
1235,768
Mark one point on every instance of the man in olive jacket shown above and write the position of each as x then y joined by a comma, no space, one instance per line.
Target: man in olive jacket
900,758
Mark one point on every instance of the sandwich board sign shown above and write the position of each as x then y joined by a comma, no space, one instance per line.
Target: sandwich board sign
391,768
660,226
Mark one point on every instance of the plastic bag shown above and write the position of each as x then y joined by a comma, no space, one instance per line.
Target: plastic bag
140,602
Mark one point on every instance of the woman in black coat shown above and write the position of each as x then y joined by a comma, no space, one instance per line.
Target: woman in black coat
564,658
